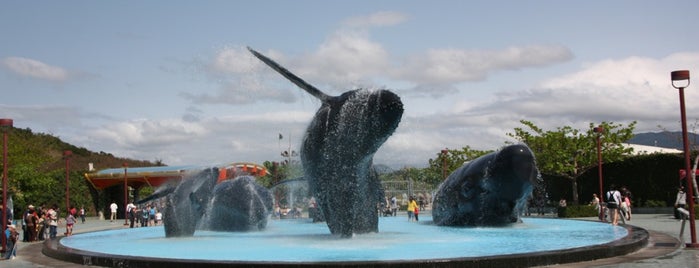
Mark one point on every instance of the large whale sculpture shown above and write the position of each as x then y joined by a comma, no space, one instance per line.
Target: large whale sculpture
489,191
199,202
338,149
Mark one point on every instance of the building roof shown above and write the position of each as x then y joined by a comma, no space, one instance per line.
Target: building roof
158,175
646,149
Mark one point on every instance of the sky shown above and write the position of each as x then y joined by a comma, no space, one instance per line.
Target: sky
173,81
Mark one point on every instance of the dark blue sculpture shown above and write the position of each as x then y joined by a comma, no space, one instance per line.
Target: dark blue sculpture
186,202
338,150
489,191
198,202
240,204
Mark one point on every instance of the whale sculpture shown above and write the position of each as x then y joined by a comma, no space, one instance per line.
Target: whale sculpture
239,204
489,191
186,202
338,149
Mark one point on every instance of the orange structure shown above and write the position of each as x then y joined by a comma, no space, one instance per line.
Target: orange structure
155,176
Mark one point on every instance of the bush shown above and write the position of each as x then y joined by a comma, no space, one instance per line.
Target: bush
580,211
655,204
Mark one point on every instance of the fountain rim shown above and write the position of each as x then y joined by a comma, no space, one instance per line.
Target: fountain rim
636,239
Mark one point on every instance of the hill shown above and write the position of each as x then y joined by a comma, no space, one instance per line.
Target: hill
664,139
37,171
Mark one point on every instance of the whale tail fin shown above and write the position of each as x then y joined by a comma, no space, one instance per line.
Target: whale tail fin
292,77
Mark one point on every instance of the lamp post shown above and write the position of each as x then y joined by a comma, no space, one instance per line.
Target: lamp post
444,163
599,130
6,125
66,156
126,194
678,76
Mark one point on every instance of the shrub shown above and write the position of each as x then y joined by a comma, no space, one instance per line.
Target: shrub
580,211
655,204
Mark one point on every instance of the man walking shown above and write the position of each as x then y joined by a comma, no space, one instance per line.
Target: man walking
113,207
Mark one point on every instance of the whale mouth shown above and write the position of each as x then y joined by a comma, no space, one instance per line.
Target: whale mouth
390,106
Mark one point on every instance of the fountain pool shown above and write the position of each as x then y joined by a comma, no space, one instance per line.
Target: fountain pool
300,242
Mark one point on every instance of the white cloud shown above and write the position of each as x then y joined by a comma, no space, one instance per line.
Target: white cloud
238,79
35,69
384,18
148,134
447,66
346,58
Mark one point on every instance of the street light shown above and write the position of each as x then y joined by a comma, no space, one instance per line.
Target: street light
126,194
599,130
678,76
444,163
6,125
66,155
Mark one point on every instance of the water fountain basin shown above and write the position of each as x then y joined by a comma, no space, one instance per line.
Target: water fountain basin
536,241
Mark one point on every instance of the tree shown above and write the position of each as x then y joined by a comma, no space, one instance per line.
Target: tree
569,152
435,173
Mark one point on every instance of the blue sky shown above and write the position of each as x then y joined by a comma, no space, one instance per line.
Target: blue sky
172,80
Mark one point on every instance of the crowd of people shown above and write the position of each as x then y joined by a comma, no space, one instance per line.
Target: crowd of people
616,204
146,215
38,224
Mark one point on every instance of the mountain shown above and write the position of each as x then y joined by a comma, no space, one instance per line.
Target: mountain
665,139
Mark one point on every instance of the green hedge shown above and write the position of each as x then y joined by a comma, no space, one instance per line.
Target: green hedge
579,211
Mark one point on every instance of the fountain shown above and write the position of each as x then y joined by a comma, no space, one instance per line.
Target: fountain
337,154
300,242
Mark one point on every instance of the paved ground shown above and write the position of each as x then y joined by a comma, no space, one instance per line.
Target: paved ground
663,250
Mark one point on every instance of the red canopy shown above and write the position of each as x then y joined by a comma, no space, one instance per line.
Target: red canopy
156,176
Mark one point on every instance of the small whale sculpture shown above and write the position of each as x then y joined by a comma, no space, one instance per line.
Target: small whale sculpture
489,191
238,204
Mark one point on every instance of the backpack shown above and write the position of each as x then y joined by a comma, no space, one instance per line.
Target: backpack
610,197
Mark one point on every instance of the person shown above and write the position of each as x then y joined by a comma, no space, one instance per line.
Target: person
151,216
626,198
680,201
613,202
595,202
31,219
52,216
132,216
158,217
417,212
562,206
113,208
70,221
394,206
144,216
421,201
43,224
12,236
411,208
82,214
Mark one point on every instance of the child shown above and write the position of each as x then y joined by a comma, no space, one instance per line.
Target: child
417,211
70,220
11,235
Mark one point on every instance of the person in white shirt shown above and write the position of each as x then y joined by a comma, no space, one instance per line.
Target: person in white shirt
113,207
680,201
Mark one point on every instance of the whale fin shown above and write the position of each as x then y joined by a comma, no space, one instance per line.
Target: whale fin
158,194
292,77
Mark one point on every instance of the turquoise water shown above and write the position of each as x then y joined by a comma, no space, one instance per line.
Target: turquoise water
398,239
